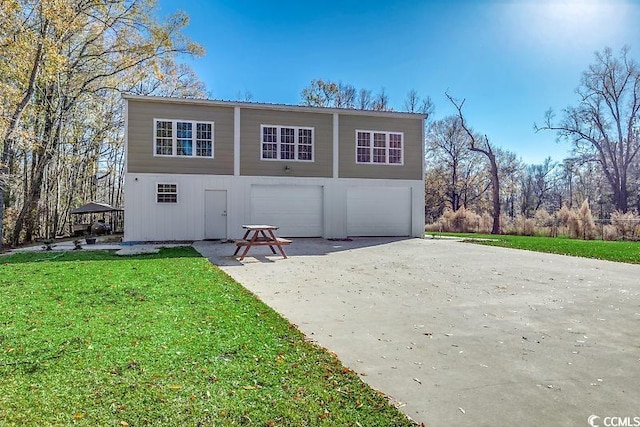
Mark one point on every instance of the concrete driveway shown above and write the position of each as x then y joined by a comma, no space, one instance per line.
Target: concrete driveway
462,334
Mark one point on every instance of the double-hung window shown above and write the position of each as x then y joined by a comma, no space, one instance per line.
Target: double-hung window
379,147
286,143
167,193
183,138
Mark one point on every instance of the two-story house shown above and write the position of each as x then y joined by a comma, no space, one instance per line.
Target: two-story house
199,169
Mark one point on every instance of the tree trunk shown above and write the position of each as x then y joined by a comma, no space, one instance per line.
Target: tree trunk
3,192
495,193
621,197
7,148
42,156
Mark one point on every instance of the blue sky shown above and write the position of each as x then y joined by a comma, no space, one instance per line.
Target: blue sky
511,60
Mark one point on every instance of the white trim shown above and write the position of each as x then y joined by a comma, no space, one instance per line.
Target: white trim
174,138
295,145
386,147
156,193
236,141
336,145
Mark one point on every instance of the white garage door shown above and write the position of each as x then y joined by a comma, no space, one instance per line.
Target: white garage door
295,209
379,211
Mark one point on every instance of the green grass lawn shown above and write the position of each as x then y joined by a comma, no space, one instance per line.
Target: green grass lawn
90,338
608,250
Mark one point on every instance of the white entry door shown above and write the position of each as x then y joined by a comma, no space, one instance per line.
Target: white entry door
215,214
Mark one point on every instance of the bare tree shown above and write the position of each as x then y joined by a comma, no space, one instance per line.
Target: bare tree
364,99
605,125
412,101
327,93
447,143
244,96
381,101
427,107
536,185
484,147
345,96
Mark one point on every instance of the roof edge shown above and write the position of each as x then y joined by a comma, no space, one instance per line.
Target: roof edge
279,107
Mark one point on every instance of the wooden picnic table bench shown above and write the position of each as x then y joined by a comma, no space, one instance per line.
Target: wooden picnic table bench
263,235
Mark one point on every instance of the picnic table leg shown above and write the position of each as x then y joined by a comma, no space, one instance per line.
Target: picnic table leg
268,238
243,238
273,236
246,249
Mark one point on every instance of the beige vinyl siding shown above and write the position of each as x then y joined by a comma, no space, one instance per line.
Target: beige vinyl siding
413,135
250,143
140,158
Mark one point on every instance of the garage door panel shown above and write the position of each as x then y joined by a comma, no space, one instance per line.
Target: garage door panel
295,209
379,211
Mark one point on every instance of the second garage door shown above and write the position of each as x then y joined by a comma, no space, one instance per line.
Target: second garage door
295,209
379,211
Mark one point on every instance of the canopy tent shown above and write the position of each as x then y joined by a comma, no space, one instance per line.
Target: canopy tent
94,207
83,226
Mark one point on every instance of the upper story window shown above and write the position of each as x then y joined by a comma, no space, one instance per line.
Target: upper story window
379,147
286,143
182,138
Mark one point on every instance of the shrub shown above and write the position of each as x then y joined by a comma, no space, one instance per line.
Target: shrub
588,227
609,232
542,218
460,221
524,226
507,224
564,215
436,226
568,223
625,223
486,223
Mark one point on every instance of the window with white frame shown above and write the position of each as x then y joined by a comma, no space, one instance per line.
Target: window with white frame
379,147
167,193
183,138
286,143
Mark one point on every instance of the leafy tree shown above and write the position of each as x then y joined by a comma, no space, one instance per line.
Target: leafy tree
70,57
319,94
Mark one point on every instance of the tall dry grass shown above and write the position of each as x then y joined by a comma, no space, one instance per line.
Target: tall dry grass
576,223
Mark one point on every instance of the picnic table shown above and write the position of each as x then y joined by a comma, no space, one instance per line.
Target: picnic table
263,235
